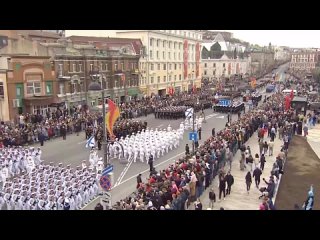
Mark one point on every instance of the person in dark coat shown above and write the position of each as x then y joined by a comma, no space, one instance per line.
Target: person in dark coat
222,187
199,133
248,181
212,198
41,138
262,161
270,188
213,132
150,162
139,180
98,207
187,149
229,180
256,175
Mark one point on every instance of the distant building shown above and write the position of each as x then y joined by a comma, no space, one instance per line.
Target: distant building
282,54
170,60
304,61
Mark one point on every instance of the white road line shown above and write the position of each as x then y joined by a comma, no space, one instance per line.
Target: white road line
123,173
147,170
159,126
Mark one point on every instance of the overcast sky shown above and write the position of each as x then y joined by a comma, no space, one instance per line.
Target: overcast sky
291,38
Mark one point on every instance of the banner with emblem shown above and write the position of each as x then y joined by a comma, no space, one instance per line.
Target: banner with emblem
112,116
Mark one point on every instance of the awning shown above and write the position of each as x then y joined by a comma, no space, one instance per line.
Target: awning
41,100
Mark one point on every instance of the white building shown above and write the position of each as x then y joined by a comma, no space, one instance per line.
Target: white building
225,67
304,61
171,59
282,54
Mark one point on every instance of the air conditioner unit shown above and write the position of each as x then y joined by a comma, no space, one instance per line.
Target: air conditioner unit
16,103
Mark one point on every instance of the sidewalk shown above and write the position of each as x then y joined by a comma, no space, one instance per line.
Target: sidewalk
239,199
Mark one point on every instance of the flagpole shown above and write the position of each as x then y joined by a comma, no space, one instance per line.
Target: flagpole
105,139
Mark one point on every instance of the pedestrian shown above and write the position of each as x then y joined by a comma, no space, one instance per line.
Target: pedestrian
262,161
308,204
187,149
198,205
222,186
196,144
41,138
213,132
249,161
256,160
248,181
239,115
228,117
98,207
265,148
256,175
139,180
212,198
199,133
260,146
305,130
271,145
230,180
150,162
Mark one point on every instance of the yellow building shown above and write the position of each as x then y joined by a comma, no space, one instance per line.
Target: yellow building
171,59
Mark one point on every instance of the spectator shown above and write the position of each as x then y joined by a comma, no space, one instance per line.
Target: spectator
262,161
256,175
248,181
212,198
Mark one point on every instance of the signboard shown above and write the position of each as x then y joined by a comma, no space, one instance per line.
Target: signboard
193,136
224,102
107,170
105,183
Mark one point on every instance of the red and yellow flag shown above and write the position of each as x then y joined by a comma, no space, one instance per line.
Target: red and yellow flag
253,82
112,116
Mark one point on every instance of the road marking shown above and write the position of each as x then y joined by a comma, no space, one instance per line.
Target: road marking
124,171
221,117
82,142
212,115
147,170
159,126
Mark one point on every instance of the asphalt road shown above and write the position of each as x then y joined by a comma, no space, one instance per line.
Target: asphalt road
72,151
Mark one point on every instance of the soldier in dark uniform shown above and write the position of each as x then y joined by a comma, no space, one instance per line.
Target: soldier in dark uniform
99,137
63,131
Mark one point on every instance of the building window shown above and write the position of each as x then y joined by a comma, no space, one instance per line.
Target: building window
60,69
175,77
169,55
164,44
164,78
151,54
2,90
169,66
214,65
179,56
180,77
80,67
151,41
151,81
122,66
115,66
151,67
174,56
49,88
169,78
132,66
18,90
106,67
158,66
175,66
101,67
33,87
223,65
158,43
180,65
74,68
157,54
205,65
164,66
158,79
61,88
205,72
163,55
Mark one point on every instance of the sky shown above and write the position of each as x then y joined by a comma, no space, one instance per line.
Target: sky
290,38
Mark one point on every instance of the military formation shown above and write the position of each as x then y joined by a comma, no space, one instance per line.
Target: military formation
172,112
49,187
148,142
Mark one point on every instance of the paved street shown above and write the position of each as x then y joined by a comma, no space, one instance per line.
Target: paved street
72,151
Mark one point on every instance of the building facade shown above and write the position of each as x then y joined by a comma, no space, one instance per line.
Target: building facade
4,102
170,59
225,67
282,54
304,61
31,85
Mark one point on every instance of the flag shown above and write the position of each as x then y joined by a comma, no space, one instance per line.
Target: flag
112,116
91,142
253,82
189,112
287,102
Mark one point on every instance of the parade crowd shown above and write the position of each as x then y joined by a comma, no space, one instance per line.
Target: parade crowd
184,181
